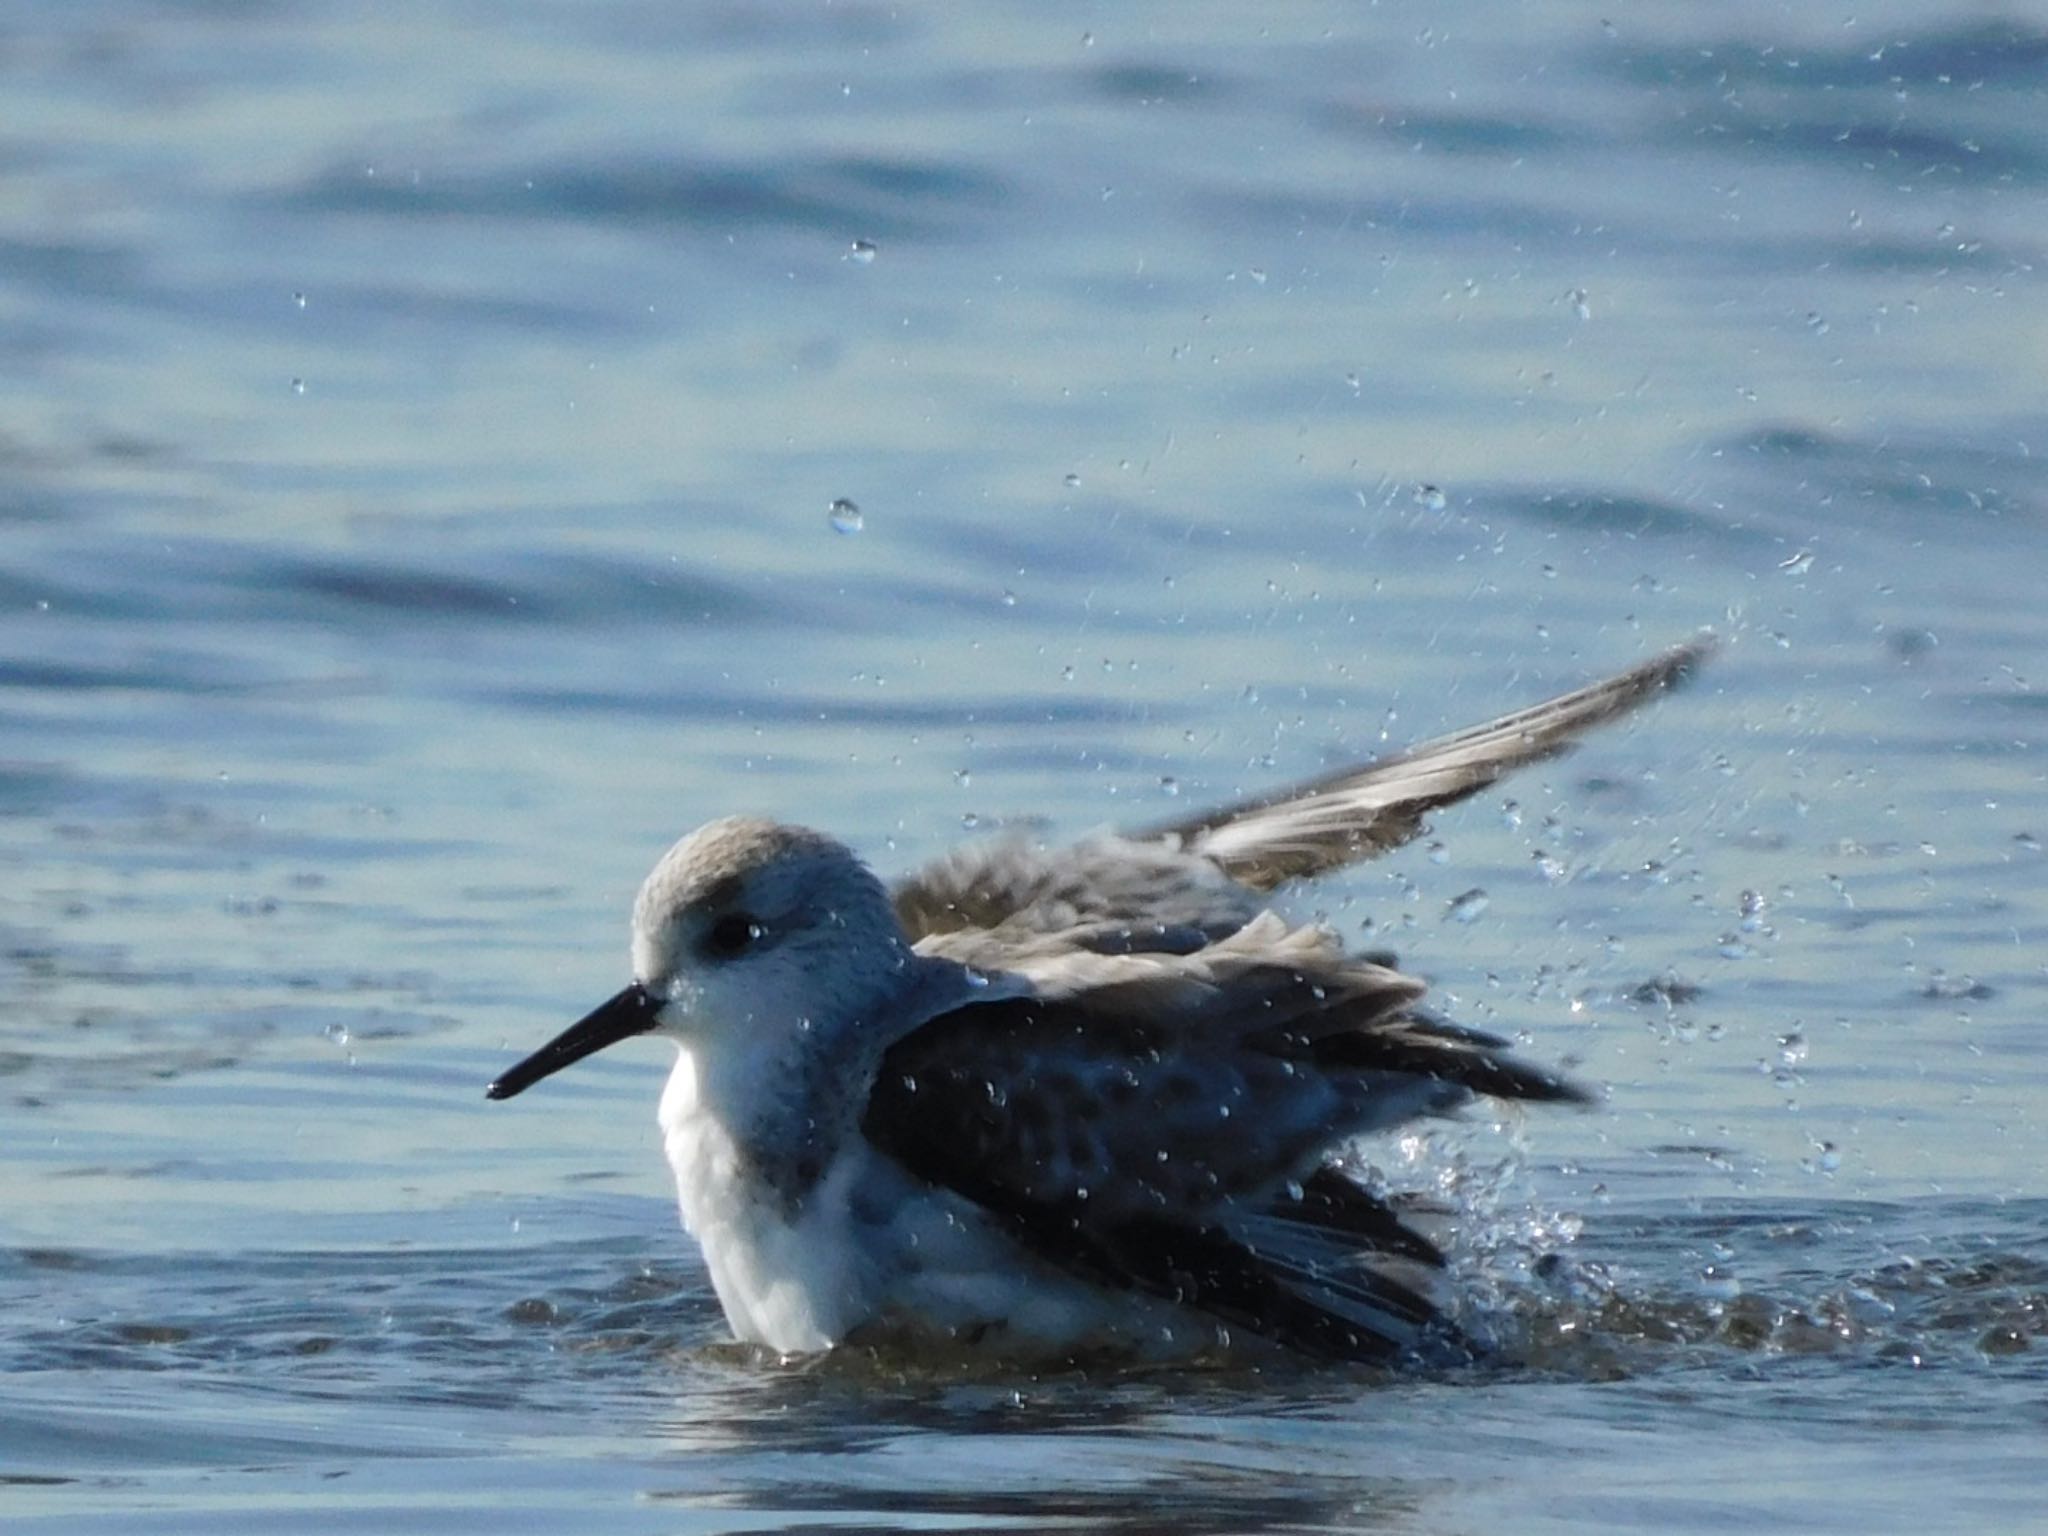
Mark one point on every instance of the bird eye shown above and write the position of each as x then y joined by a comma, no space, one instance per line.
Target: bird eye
731,935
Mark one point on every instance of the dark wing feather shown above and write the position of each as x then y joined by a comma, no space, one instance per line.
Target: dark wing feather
1053,1104
1146,1119
1364,1315
1344,1311
1336,1205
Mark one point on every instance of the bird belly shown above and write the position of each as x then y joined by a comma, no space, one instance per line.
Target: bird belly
873,1253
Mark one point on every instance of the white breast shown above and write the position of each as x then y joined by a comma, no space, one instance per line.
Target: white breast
793,1285
867,1246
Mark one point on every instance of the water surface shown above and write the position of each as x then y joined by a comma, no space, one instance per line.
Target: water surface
417,435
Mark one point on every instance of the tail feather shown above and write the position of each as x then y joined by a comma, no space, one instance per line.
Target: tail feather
1358,1218
1364,1315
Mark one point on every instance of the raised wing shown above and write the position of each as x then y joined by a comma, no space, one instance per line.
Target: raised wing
1356,813
1204,872
1163,1121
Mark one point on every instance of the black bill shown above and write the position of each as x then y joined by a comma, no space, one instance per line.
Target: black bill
631,1012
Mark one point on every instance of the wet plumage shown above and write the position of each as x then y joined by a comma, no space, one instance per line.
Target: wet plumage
1063,1097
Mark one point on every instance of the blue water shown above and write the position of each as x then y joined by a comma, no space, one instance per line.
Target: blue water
418,434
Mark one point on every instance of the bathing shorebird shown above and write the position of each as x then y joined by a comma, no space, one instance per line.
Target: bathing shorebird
1063,1097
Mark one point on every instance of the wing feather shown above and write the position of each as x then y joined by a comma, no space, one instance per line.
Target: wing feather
1131,1109
1203,874
1357,812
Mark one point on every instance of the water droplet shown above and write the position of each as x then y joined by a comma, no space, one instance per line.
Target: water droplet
299,299
1580,307
845,517
1792,1048
862,251
298,386
1466,906
964,777
1257,275
969,820
1073,482
1430,498
1169,784
1009,598
1798,564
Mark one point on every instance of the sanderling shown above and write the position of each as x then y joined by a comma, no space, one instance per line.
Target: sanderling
1063,1097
